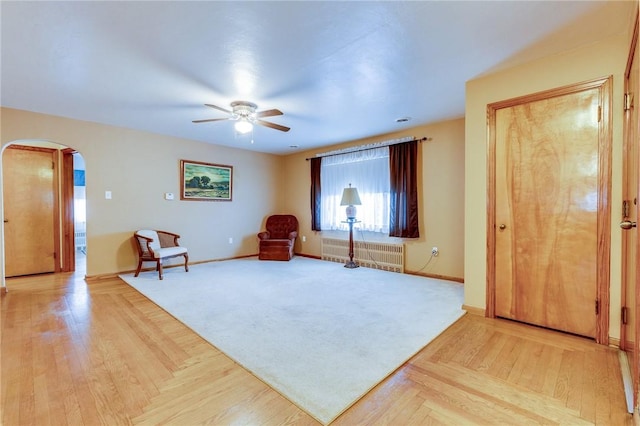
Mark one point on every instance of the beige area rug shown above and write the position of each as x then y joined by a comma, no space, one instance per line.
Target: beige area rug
320,334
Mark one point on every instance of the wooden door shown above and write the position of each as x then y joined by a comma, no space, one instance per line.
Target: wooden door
547,198
30,205
629,328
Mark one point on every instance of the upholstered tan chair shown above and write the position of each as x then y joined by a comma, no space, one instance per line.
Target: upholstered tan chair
276,243
155,246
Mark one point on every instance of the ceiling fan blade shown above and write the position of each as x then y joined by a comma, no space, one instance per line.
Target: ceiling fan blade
268,113
207,120
218,108
273,125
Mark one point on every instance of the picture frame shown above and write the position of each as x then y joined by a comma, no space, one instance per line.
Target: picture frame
201,181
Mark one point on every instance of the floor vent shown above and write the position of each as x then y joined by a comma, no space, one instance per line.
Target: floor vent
385,256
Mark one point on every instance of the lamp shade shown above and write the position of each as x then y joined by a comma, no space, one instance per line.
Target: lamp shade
243,126
350,197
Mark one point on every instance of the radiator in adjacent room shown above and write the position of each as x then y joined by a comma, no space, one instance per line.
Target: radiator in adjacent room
80,236
386,256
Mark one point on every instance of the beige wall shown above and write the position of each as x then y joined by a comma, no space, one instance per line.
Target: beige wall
441,198
594,61
139,168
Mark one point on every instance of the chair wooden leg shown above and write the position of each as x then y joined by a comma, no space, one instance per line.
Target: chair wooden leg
160,269
139,268
186,262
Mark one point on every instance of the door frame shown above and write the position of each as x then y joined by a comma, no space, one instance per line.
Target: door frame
605,136
68,223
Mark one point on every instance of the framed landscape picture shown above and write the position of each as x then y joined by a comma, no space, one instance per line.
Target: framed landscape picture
205,181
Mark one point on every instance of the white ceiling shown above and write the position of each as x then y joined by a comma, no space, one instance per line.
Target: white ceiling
339,71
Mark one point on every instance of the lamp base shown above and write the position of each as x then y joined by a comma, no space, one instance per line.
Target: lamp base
351,265
351,212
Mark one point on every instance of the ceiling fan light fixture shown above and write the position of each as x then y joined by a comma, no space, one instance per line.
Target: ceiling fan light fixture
245,116
243,126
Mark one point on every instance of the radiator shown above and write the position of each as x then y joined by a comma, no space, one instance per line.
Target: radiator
386,256
80,236
81,241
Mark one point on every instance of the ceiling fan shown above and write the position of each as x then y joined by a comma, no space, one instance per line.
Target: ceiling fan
245,115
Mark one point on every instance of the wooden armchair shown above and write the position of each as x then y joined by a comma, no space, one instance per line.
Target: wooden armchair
276,243
155,246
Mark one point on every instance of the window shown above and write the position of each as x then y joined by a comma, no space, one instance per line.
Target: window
366,170
387,180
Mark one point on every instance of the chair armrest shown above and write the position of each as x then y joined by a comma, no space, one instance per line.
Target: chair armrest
265,235
144,242
293,235
168,239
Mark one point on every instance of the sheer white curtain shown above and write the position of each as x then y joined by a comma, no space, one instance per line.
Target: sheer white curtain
368,171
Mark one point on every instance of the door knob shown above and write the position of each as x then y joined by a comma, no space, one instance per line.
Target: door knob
627,224
502,226
6,220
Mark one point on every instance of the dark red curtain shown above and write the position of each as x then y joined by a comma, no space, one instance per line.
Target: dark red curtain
403,214
316,194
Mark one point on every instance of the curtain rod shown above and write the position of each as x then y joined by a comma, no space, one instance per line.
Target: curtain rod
370,146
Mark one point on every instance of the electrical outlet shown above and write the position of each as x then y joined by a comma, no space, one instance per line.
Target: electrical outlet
304,239
230,240
435,252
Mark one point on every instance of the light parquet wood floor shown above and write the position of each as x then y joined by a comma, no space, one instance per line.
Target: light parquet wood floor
102,354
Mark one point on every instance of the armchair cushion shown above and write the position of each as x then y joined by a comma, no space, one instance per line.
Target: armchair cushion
169,252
